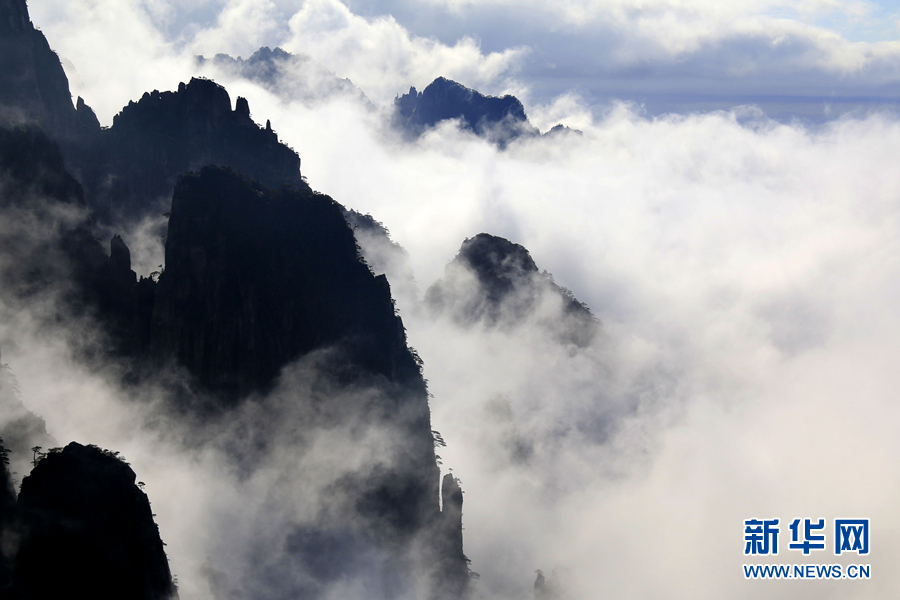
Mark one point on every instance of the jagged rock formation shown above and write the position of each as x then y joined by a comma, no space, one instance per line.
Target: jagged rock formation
255,278
134,164
33,84
130,169
498,119
495,282
87,531
290,76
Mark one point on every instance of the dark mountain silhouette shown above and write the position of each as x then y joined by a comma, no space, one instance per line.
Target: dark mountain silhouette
33,84
495,282
544,589
260,272
498,119
560,130
87,531
290,76
453,574
256,278
130,169
50,260
45,235
133,166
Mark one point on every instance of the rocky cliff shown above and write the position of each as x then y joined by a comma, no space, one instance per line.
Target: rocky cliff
255,278
33,84
46,242
133,166
452,577
87,531
130,169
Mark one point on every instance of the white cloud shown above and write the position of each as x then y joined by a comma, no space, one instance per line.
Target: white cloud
116,48
241,28
384,59
743,271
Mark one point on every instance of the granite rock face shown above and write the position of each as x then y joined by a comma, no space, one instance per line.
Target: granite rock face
255,278
83,519
49,257
452,577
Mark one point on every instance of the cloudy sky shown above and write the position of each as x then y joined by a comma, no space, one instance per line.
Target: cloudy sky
810,59
731,214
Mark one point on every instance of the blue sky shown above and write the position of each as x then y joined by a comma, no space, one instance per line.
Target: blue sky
881,23
811,60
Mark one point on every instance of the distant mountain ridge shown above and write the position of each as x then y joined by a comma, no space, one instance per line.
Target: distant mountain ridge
499,119
294,77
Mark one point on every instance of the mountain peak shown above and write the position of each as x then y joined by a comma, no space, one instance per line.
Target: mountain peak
33,84
294,76
496,282
499,119
92,526
165,134
494,258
